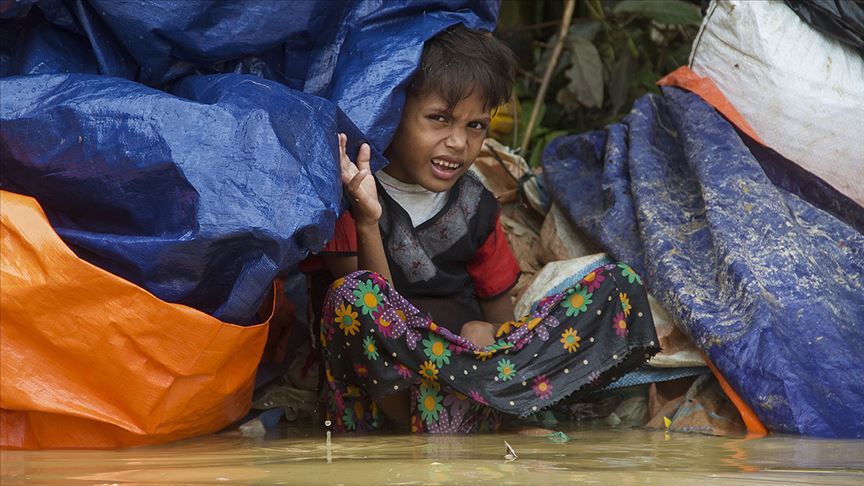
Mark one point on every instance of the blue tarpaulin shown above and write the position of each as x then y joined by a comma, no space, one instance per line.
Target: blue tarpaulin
770,286
189,146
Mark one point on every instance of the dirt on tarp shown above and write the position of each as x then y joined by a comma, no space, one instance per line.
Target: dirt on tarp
541,236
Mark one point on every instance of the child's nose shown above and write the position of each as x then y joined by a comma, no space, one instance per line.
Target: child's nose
457,139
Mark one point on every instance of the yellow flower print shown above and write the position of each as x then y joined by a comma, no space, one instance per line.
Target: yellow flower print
436,350
368,297
504,329
370,349
430,404
346,317
429,383
625,303
506,369
628,272
533,323
483,355
578,301
429,371
570,339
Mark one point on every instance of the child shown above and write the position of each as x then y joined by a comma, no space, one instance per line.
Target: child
414,332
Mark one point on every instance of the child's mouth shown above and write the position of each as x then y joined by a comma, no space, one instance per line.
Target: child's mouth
445,168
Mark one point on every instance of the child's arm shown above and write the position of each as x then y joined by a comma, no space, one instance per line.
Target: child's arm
366,210
498,309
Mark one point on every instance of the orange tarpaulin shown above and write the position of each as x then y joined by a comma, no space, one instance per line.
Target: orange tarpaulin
88,359
685,78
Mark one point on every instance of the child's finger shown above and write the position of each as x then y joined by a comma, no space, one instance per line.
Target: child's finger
347,168
363,157
357,180
343,155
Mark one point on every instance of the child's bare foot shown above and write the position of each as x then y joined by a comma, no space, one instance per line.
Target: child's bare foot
481,333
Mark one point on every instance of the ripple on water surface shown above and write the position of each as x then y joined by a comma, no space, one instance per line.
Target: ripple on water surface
593,456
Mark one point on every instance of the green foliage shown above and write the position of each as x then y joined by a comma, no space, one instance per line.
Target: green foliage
670,12
615,51
585,74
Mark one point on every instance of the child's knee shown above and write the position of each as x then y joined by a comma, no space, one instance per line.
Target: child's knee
480,333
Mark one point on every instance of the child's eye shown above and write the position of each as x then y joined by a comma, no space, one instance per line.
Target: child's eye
438,118
478,125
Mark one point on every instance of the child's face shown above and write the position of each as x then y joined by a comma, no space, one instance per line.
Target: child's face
433,146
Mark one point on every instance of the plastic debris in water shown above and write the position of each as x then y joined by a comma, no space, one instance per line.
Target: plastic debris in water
509,453
558,437
253,428
667,422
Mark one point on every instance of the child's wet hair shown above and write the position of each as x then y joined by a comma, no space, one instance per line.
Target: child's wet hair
458,61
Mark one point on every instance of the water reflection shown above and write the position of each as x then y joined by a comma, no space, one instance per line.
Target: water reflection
594,456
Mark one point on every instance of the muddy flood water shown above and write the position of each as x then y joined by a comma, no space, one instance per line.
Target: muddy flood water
621,456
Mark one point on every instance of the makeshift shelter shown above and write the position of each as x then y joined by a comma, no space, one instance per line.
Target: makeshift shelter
188,147
184,153
757,259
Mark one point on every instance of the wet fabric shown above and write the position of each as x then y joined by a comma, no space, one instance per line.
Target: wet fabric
196,196
767,284
91,360
376,343
461,254
189,146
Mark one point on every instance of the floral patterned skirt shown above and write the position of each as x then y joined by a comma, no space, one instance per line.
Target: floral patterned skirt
376,343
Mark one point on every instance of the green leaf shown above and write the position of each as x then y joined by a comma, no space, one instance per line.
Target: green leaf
607,53
677,12
620,79
546,56
595,9
586,73
525,117
646,79
585,29
679,56
631,45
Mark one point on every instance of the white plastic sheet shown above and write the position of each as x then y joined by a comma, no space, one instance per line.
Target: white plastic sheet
802,92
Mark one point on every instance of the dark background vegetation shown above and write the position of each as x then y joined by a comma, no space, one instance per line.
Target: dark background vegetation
614,52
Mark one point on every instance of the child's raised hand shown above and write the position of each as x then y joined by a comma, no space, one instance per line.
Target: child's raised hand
359,183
